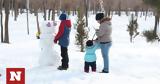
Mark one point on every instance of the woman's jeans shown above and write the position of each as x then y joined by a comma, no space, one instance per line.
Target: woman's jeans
105,47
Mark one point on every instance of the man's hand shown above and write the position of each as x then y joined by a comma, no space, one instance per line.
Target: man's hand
97,30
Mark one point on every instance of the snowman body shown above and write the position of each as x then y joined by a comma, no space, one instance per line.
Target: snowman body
48,57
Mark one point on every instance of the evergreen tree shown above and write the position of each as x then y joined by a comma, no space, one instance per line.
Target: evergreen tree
132,28
81,35
150,36
154,3
153,34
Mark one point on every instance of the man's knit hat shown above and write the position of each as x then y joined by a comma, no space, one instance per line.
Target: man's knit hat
99,16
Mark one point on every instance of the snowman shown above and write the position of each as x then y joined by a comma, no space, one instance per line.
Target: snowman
48,57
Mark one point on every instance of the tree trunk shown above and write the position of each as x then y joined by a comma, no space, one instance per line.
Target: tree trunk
53,10
44,10
1,3
27,23
82,47
86,11
49,14
156,24
15,9
127,13
45,15
136,12
146,14
53,14
75,11
119,9
109,12
1,26
38,29
27,17
6,35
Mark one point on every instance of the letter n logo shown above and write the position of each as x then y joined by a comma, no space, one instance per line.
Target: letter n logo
15,76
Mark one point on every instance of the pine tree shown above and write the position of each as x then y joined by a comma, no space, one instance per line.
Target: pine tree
156,5
132,28
150,36
81,35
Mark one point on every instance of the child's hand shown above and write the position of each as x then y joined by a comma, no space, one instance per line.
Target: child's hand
55,41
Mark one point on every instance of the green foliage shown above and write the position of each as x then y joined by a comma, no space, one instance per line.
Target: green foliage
132,28
150,35
81,35
154,3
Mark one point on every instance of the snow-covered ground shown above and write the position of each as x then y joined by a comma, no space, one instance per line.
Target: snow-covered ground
130,63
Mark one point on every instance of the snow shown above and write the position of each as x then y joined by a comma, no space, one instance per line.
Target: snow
130,63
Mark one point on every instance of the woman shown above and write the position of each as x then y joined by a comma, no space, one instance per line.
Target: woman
104,38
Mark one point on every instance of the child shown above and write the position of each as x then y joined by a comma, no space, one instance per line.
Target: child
63,38
90,56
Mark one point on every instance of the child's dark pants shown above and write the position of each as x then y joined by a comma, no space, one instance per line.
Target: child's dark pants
88,64
64,55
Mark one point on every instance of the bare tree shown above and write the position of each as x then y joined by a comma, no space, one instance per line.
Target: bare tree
119,8
6,33
38,28
36,9
44,9
27,2
53,8
15,6
108,7
1,5
86,3
156,6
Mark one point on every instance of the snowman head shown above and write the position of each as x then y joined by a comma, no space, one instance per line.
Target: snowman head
47,27
48,24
